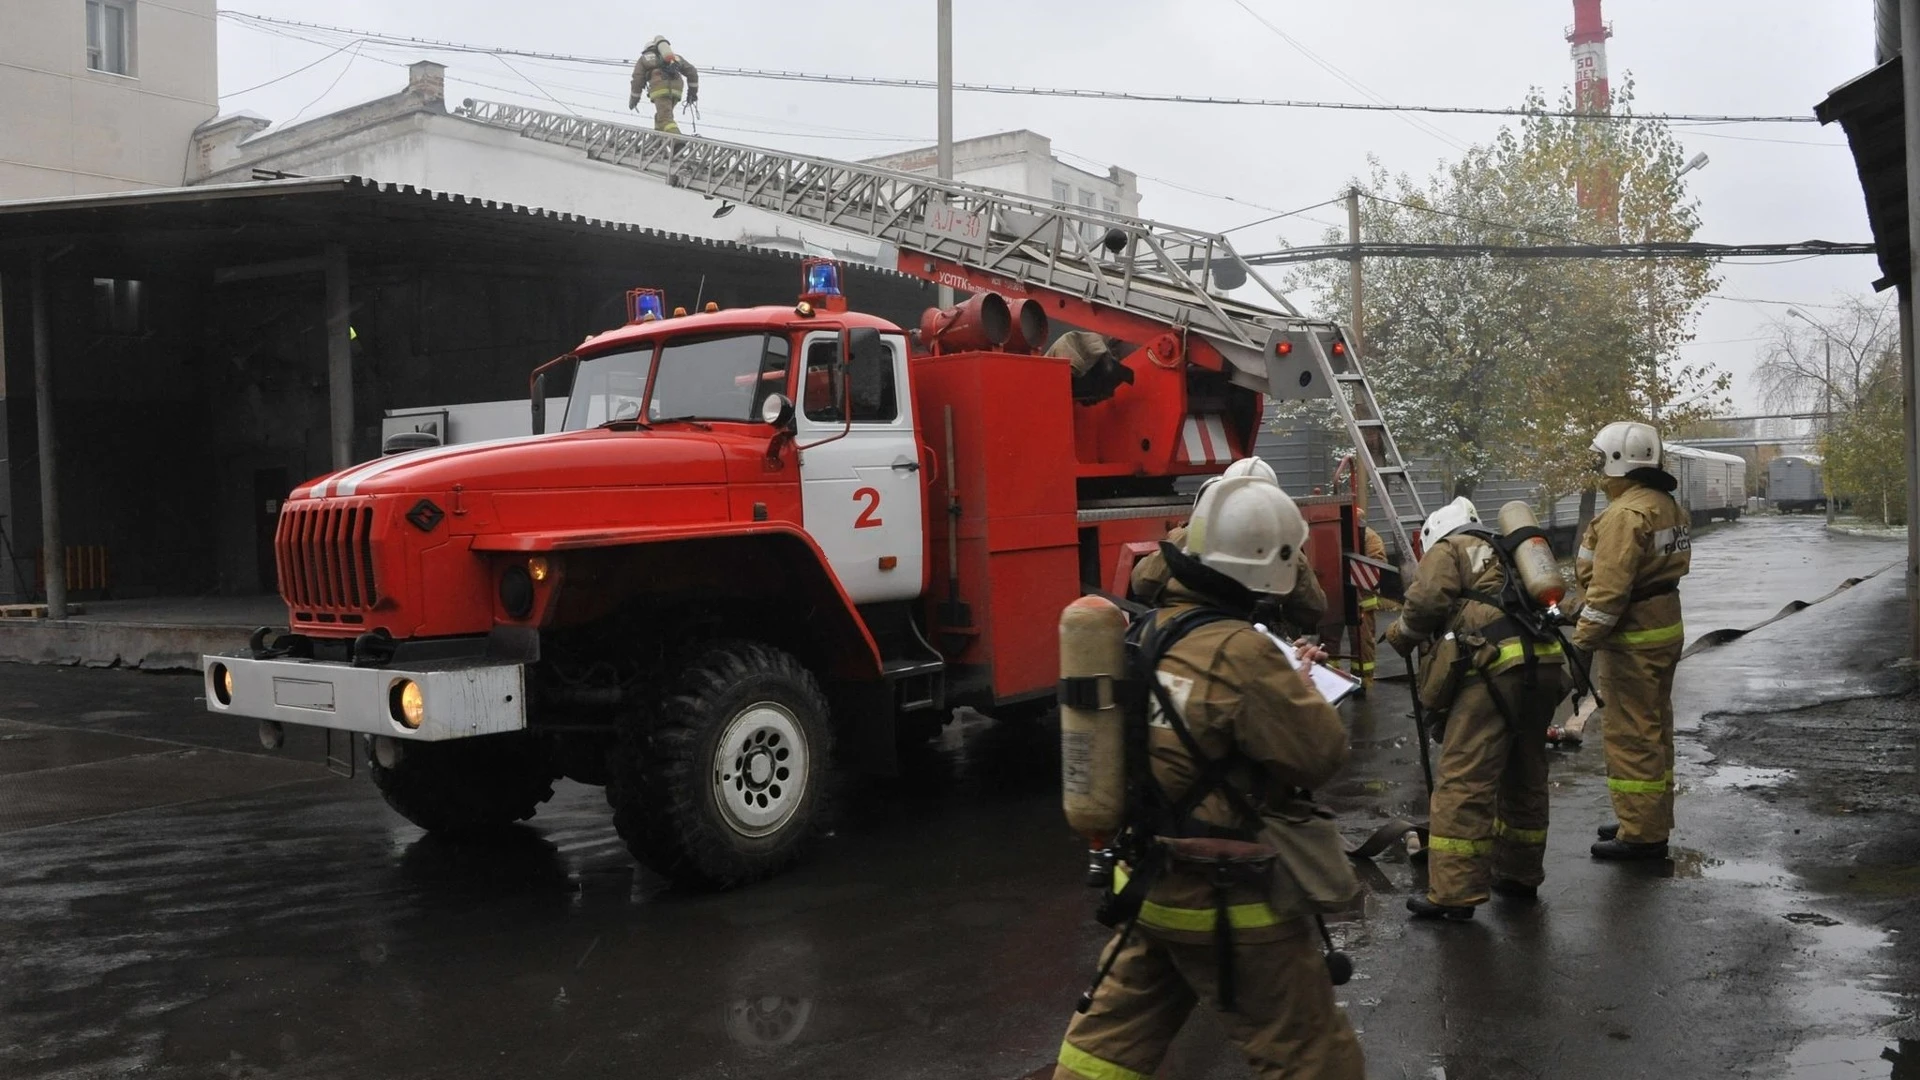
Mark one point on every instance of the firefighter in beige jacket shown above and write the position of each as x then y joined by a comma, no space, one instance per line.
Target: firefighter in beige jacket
1494,687
1242,703
1629,568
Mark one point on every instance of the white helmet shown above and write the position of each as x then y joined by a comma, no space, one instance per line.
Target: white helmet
1248,529
1448,519
1246,466
1625,446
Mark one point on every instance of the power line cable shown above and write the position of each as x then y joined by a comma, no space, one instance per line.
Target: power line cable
352,56
1034,91
1418,125
295,71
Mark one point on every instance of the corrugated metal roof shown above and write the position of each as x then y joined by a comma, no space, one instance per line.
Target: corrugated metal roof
1871,111
46,217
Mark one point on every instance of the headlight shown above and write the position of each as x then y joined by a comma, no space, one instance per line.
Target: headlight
406,703
223,684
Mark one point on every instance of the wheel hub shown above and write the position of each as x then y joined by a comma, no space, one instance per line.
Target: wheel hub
760,769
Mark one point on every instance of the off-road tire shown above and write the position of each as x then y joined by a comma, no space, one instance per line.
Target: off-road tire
668,762
467,785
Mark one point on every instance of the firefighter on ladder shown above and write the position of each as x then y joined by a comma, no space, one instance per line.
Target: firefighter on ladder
1629,568
1242,703
1296,614
660,75
1497,690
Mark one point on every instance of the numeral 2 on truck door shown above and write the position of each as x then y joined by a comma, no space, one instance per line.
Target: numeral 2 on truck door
868,518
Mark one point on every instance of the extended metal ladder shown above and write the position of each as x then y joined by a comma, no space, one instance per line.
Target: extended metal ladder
1173,276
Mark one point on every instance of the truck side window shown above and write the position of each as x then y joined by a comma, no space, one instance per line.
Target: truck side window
872,389
820,382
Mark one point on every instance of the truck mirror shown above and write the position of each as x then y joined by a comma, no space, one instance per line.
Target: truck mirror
540,404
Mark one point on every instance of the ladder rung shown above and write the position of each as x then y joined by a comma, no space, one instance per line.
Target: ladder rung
1369,422
1349,376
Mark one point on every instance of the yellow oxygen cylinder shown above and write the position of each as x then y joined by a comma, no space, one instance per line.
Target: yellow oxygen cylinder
1093,775
1539,571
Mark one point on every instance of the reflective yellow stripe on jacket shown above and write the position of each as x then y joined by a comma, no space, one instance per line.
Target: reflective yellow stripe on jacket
1369,603
1198,920
1094,1068
1659,635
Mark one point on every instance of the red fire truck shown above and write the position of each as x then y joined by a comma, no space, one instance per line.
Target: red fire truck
756,540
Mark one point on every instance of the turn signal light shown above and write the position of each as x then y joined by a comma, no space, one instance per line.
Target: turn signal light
223,684
1339,348
1283,348
538,568
406,704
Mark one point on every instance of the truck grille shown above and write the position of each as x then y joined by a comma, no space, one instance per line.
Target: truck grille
325,556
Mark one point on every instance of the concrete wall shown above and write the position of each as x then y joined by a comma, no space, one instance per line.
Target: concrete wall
65,129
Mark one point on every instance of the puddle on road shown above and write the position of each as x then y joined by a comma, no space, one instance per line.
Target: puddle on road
1855,1059
1744,778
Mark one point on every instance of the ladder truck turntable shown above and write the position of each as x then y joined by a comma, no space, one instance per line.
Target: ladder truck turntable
758,533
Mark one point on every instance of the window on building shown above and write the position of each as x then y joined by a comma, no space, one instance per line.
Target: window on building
110,36
1088,230
1060,192
119,306
1109,206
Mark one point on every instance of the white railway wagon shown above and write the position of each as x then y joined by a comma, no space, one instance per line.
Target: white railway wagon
1712,484
1794,482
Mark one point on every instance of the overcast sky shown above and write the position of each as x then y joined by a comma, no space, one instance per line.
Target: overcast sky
1205,166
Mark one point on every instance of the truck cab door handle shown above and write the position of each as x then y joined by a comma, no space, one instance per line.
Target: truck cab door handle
910,466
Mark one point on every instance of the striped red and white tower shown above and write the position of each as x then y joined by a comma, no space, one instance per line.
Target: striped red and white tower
1589,40
1597,191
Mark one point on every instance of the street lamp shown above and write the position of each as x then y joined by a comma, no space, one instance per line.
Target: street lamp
1826,423
1697,161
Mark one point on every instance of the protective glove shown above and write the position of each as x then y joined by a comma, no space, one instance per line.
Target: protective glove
632,101
693,94
1398,638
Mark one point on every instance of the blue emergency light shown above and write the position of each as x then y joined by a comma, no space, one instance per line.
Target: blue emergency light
822,278
646,304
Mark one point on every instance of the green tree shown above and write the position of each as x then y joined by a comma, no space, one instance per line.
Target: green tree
1510,365
1865,450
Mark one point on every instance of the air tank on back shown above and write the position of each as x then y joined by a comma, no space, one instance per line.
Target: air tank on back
1539,570
1093,656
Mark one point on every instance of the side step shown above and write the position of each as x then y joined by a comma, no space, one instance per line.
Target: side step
918,685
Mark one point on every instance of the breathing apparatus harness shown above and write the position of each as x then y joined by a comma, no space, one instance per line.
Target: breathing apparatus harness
1152,817
1522,617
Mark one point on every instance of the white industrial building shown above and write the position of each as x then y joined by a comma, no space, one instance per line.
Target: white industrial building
1024,162
101,95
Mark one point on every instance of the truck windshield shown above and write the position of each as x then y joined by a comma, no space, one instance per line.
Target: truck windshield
695,378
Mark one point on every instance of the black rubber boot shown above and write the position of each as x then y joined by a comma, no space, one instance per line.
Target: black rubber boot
1608,831
1424,908
1626,850
1515,890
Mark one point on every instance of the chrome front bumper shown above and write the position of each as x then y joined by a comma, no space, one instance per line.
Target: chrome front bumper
462,699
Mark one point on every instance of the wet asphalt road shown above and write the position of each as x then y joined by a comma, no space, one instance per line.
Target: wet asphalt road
176,903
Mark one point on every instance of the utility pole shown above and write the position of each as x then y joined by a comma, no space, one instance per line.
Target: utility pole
1826,474
944,13
1826,411
1356,341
